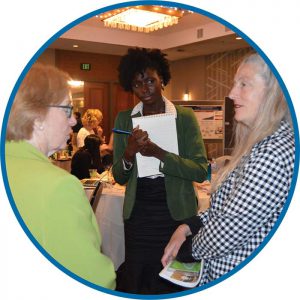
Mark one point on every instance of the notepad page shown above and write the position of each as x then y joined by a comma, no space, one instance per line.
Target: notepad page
162,131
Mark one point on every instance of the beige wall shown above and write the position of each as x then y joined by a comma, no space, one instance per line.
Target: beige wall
220,69
188,74
206,77
103,66
47,57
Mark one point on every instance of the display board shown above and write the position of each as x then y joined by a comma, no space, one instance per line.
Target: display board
210,115
210,119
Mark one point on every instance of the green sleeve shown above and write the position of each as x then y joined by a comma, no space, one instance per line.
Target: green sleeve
191,163
123,121
71,234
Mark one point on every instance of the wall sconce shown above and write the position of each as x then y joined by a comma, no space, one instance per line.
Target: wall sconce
76,83
186,95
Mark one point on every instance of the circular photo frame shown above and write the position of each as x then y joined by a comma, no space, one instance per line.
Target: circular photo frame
184,7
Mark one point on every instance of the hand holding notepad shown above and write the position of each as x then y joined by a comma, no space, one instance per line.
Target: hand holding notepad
162,131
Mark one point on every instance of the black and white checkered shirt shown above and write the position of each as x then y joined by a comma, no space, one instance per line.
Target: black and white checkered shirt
246,206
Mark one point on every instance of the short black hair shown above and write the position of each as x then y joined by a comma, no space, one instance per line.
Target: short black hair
92,143
137,60
77,114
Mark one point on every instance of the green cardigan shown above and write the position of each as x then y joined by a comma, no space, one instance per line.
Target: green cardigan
55,209
179,170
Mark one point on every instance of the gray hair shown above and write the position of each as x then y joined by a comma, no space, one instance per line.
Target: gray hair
271,112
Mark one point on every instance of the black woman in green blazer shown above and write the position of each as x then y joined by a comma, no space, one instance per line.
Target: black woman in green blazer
154,206
179,170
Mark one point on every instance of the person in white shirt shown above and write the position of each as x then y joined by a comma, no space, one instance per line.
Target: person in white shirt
91,121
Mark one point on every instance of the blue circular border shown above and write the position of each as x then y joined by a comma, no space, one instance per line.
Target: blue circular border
45,46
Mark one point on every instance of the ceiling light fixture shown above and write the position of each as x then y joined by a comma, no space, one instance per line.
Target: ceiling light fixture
76,83
142,18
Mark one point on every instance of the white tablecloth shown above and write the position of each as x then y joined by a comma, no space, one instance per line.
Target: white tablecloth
109,216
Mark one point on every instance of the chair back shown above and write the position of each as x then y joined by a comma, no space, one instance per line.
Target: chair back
95,198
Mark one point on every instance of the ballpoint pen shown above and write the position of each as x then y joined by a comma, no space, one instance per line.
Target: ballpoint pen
120,131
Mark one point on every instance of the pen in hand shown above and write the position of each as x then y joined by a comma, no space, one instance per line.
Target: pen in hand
120,131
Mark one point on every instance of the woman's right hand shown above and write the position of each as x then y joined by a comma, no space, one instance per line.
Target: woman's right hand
176,241
136,142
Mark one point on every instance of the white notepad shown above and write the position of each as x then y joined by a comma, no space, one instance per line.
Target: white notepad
162,131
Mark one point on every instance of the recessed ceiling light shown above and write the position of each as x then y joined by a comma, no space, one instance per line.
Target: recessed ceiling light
75,46
238,38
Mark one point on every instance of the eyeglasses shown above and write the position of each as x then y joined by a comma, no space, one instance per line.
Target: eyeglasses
68,109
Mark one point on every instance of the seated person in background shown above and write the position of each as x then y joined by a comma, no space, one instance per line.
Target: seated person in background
91,121
106,151
51,202
249,193
75,129
78,124
87,157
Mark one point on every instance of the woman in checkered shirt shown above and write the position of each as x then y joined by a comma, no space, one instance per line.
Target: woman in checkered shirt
249,193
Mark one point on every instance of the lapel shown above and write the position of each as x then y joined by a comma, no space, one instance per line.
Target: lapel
138,114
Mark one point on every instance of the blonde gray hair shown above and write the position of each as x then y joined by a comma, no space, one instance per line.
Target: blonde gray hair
92,118
271,112
43,85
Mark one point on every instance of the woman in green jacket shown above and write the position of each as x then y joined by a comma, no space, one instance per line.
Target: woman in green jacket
50,201
153,205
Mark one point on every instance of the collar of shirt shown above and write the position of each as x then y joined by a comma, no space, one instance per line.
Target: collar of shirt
170,108
284,128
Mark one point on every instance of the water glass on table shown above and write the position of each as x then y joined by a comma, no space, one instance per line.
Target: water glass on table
93,173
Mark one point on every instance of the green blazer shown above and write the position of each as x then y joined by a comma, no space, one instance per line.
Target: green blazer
179,170
54,207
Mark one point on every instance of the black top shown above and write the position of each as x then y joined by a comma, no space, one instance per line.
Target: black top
82,161
77,127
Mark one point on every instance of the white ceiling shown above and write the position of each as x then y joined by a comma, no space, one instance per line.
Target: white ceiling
194,35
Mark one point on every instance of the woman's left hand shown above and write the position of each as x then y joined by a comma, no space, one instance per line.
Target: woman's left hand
176,241
151,149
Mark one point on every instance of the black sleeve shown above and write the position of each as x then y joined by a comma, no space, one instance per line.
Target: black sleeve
194,223
80,165
185,251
